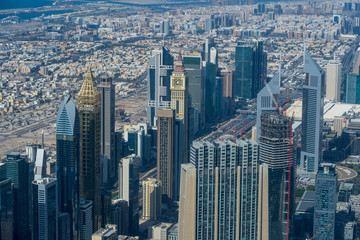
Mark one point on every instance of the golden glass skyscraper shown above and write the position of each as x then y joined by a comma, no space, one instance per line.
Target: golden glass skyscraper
90,145
179,103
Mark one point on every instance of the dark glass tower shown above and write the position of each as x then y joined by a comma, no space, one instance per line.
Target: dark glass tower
107,89
67,160
250,64
276,178
90,145
6,205
17,169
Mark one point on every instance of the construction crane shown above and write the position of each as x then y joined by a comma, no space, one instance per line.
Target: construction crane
308,237
349,145
289,179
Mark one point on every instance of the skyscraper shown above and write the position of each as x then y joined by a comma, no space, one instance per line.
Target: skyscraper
7,206
250,64
45,206
107,90
151,199
325,202
333,80
90,145
85,219
17,169
312,115
210,83
179,103
196,88
266,101
158,87
129,189
165,151
276,203
67,160
224,193
188,199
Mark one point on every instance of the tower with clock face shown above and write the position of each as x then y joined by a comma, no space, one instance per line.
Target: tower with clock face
178,88
179,102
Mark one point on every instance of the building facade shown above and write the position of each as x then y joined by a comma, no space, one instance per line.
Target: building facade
165,151
333,80
250,66
312,115
151,199
222,201
325,202
7,206
161,65
129,189
276,202
67,160
107,90
85,219
17,170
45,206
90,145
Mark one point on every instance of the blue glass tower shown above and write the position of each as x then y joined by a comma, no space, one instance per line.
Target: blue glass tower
67,169
325,202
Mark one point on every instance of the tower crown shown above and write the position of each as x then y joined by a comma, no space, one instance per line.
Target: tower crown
179,64
89,90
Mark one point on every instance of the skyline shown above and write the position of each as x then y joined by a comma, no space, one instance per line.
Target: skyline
180,121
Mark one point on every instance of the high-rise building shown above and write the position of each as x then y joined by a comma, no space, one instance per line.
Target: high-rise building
129,189
325,202
187,208
276,203
158,87
17,169
250,68
7,206
351,89
209,43
312,115
90,145
179,103
40,164
165,151
196,88
333,80
151,199
107,90
266,101
120,215
210,72
67,161
31,151
228,82
64,226
221,202
108,233
85,219
45,206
